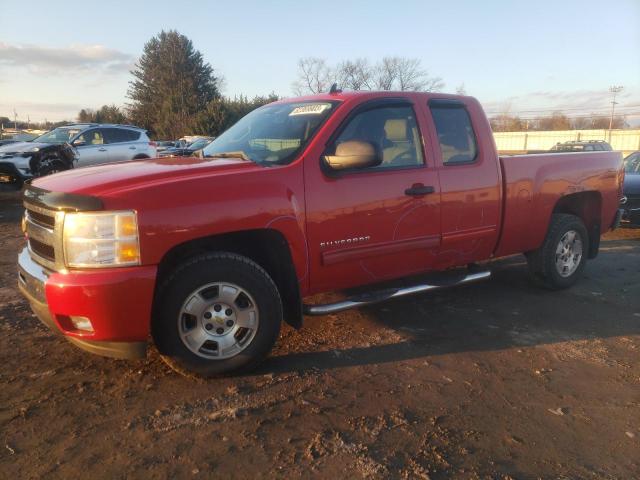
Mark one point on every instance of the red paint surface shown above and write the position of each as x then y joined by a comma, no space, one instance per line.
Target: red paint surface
117,301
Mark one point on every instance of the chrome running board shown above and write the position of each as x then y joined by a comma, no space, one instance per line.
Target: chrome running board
389,293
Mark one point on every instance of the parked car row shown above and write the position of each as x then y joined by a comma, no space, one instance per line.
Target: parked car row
582,146
184,149
169,144
72,146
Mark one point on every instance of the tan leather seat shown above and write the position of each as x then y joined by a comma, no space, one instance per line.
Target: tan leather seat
97,139
397,139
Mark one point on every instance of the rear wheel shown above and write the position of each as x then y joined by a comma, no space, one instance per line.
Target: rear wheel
560,260
216,314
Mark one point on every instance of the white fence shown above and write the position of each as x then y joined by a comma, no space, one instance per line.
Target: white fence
626,141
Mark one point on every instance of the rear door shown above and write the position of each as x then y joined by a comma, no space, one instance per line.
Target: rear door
122,144
91,147
379,222
469,179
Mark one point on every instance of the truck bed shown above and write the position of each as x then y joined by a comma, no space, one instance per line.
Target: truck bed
534,186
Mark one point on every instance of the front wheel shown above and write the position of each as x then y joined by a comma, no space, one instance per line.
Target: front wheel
49,165
216,314
560,260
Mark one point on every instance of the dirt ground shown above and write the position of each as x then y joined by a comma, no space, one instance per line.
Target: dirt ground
493,380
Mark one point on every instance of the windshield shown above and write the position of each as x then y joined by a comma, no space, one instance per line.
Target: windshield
273,134
58,135
632,164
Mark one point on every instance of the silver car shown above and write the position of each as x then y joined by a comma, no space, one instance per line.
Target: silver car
111,143
73,146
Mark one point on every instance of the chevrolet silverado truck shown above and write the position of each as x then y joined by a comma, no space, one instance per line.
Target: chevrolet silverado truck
208,255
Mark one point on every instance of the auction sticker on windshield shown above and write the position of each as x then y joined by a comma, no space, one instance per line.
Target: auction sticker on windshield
310,109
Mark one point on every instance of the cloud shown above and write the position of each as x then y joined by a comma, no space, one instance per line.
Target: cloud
73,58
39,111
572,103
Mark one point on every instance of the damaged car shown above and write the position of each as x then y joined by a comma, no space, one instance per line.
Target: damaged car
72,146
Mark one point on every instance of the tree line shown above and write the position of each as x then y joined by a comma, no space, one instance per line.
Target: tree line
555,121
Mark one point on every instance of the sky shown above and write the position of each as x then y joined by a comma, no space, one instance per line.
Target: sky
526,58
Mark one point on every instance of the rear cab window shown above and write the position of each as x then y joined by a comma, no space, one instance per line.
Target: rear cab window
456,137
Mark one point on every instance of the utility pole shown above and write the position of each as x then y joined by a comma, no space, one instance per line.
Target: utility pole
615,89
15,120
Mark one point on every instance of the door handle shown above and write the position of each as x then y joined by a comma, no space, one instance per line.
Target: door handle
419,189
132,147
102,149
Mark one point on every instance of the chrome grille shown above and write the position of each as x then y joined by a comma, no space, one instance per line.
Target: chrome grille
43,230
42,220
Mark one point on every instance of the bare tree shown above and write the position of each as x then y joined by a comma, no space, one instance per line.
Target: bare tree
390,73
355,74
401,73
411,76
314,76
557,121
461,89
386,73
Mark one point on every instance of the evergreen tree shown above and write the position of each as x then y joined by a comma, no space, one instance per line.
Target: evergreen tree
172,85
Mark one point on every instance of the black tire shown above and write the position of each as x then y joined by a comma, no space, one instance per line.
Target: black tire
542,262
196,273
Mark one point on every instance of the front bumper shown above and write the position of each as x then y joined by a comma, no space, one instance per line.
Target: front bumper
117,302
10,173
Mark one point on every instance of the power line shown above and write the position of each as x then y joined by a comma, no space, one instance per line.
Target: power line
614,90
604,110
603,115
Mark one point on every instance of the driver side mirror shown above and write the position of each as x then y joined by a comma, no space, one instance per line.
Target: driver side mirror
79,143
353,154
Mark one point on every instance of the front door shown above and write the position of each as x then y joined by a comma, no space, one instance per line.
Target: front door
91,147
379,222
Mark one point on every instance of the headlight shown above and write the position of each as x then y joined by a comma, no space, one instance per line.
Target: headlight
101,239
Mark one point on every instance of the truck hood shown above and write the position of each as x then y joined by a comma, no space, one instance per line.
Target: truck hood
632,184
118,177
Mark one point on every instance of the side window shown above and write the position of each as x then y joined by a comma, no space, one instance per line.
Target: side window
131,135
120,135
393,133
455,134
91,137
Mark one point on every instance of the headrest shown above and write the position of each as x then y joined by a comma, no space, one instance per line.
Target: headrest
396,130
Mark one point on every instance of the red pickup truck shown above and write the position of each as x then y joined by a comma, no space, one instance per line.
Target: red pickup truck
209,254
